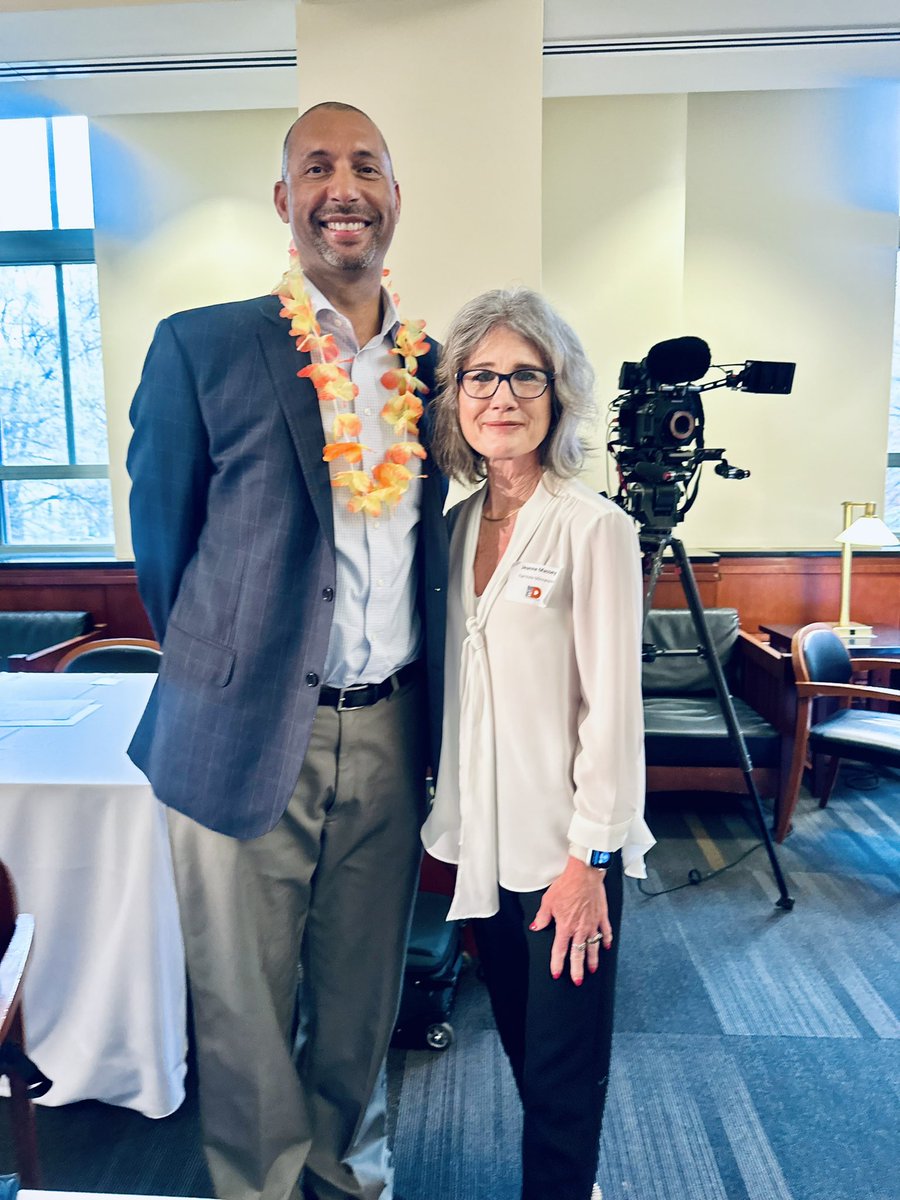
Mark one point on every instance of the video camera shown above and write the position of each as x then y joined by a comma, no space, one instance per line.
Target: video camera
656,430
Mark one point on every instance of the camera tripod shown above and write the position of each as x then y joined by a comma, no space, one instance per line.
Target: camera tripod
654,543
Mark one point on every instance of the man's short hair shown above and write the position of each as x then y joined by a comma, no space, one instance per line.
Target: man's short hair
333,106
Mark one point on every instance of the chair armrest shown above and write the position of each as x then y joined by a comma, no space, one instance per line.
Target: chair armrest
12,970
46,659
847,691
874,664
761,652
764,680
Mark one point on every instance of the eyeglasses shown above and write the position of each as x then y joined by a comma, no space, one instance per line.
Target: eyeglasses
527,383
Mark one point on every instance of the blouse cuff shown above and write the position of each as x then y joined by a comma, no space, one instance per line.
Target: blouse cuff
597,836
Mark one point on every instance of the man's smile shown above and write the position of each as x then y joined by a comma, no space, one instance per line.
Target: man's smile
344,226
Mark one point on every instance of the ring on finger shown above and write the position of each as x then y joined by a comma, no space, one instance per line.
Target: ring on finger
578,945
592,941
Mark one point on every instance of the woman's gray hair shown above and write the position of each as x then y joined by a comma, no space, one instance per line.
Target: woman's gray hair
572,407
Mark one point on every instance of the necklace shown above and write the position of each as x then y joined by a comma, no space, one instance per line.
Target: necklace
512,511
389,480
505,517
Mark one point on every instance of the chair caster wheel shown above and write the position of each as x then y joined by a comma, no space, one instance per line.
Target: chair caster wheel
439,1036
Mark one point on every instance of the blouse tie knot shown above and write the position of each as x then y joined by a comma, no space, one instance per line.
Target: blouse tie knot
476,636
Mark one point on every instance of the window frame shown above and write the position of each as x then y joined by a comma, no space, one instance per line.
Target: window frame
57,248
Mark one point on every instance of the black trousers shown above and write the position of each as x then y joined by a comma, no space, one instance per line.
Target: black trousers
558,1039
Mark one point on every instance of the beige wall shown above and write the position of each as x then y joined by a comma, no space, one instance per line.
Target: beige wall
767,224
763,222
184,218
614,201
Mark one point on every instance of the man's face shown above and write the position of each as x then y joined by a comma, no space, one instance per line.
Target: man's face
339,196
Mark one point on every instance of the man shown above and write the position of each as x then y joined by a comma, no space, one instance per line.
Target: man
288,731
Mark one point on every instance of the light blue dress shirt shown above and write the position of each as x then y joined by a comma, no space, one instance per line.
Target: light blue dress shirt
376,627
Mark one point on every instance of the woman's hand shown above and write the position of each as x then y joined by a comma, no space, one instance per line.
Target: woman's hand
576,901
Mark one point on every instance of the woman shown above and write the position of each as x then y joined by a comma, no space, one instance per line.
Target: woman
540,793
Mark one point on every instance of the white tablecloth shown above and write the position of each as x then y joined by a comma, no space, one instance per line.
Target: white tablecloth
85,841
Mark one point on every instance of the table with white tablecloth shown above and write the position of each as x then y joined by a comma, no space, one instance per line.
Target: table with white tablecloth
85,840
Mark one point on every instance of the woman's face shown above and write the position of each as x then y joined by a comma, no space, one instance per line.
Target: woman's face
504,427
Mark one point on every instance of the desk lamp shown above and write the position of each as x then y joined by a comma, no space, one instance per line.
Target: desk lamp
867,530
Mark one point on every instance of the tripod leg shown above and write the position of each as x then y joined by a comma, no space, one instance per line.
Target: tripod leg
689,584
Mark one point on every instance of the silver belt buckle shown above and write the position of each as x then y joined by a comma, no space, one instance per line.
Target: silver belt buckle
355,688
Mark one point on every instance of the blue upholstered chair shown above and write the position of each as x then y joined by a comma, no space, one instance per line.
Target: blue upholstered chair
823,669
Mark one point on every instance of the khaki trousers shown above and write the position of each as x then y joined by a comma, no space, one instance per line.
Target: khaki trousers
326,895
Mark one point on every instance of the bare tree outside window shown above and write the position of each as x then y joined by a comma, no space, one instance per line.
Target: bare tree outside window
54,486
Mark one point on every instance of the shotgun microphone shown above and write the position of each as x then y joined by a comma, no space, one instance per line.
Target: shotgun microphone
678,360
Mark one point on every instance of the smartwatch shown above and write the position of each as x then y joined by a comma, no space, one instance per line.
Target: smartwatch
599,859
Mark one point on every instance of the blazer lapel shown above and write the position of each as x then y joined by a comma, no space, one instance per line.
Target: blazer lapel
300,405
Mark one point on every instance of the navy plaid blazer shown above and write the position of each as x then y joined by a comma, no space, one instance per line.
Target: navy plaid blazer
231,515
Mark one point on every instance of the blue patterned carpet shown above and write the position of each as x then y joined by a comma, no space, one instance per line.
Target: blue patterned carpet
756,1053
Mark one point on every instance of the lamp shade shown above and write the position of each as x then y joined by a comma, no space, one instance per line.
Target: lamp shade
868,531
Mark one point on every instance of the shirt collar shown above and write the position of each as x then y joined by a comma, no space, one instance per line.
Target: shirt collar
325,309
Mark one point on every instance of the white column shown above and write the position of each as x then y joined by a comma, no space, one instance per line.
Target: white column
456,89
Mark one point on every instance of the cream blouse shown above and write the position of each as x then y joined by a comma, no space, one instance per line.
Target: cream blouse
543,740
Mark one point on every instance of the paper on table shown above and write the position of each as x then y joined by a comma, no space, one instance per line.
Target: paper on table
39,685
27,713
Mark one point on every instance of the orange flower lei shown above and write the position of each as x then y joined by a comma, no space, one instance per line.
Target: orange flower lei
390,479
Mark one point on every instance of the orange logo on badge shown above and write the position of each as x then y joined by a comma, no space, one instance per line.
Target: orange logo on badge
533,593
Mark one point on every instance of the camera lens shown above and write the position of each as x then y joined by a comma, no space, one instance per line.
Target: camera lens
682,425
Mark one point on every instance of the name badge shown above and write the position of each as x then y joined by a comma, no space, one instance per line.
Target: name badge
531,583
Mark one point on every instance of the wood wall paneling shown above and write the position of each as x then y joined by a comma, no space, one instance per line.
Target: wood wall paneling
786,589
790,589
109,593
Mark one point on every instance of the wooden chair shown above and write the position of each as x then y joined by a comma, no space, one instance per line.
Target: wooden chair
823,669
16,933
114,654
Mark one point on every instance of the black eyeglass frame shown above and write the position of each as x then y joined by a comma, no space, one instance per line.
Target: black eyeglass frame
508,377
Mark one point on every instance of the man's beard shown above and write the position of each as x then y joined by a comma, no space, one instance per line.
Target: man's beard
348,260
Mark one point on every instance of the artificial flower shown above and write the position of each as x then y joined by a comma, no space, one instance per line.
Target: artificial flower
352,451
346,425
402,452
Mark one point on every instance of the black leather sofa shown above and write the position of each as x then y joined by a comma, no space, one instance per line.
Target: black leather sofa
686,739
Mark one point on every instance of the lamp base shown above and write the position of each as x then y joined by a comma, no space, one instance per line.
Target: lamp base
854,629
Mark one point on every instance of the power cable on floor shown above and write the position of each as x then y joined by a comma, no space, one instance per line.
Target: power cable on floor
695,877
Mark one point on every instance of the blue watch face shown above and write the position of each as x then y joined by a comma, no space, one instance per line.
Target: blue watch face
599,858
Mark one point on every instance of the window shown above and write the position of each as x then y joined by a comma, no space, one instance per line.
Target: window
892,485
54,457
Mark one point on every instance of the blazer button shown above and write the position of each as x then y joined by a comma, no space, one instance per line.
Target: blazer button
328,594
312,679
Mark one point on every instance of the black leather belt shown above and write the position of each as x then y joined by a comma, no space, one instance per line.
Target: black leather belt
364,694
